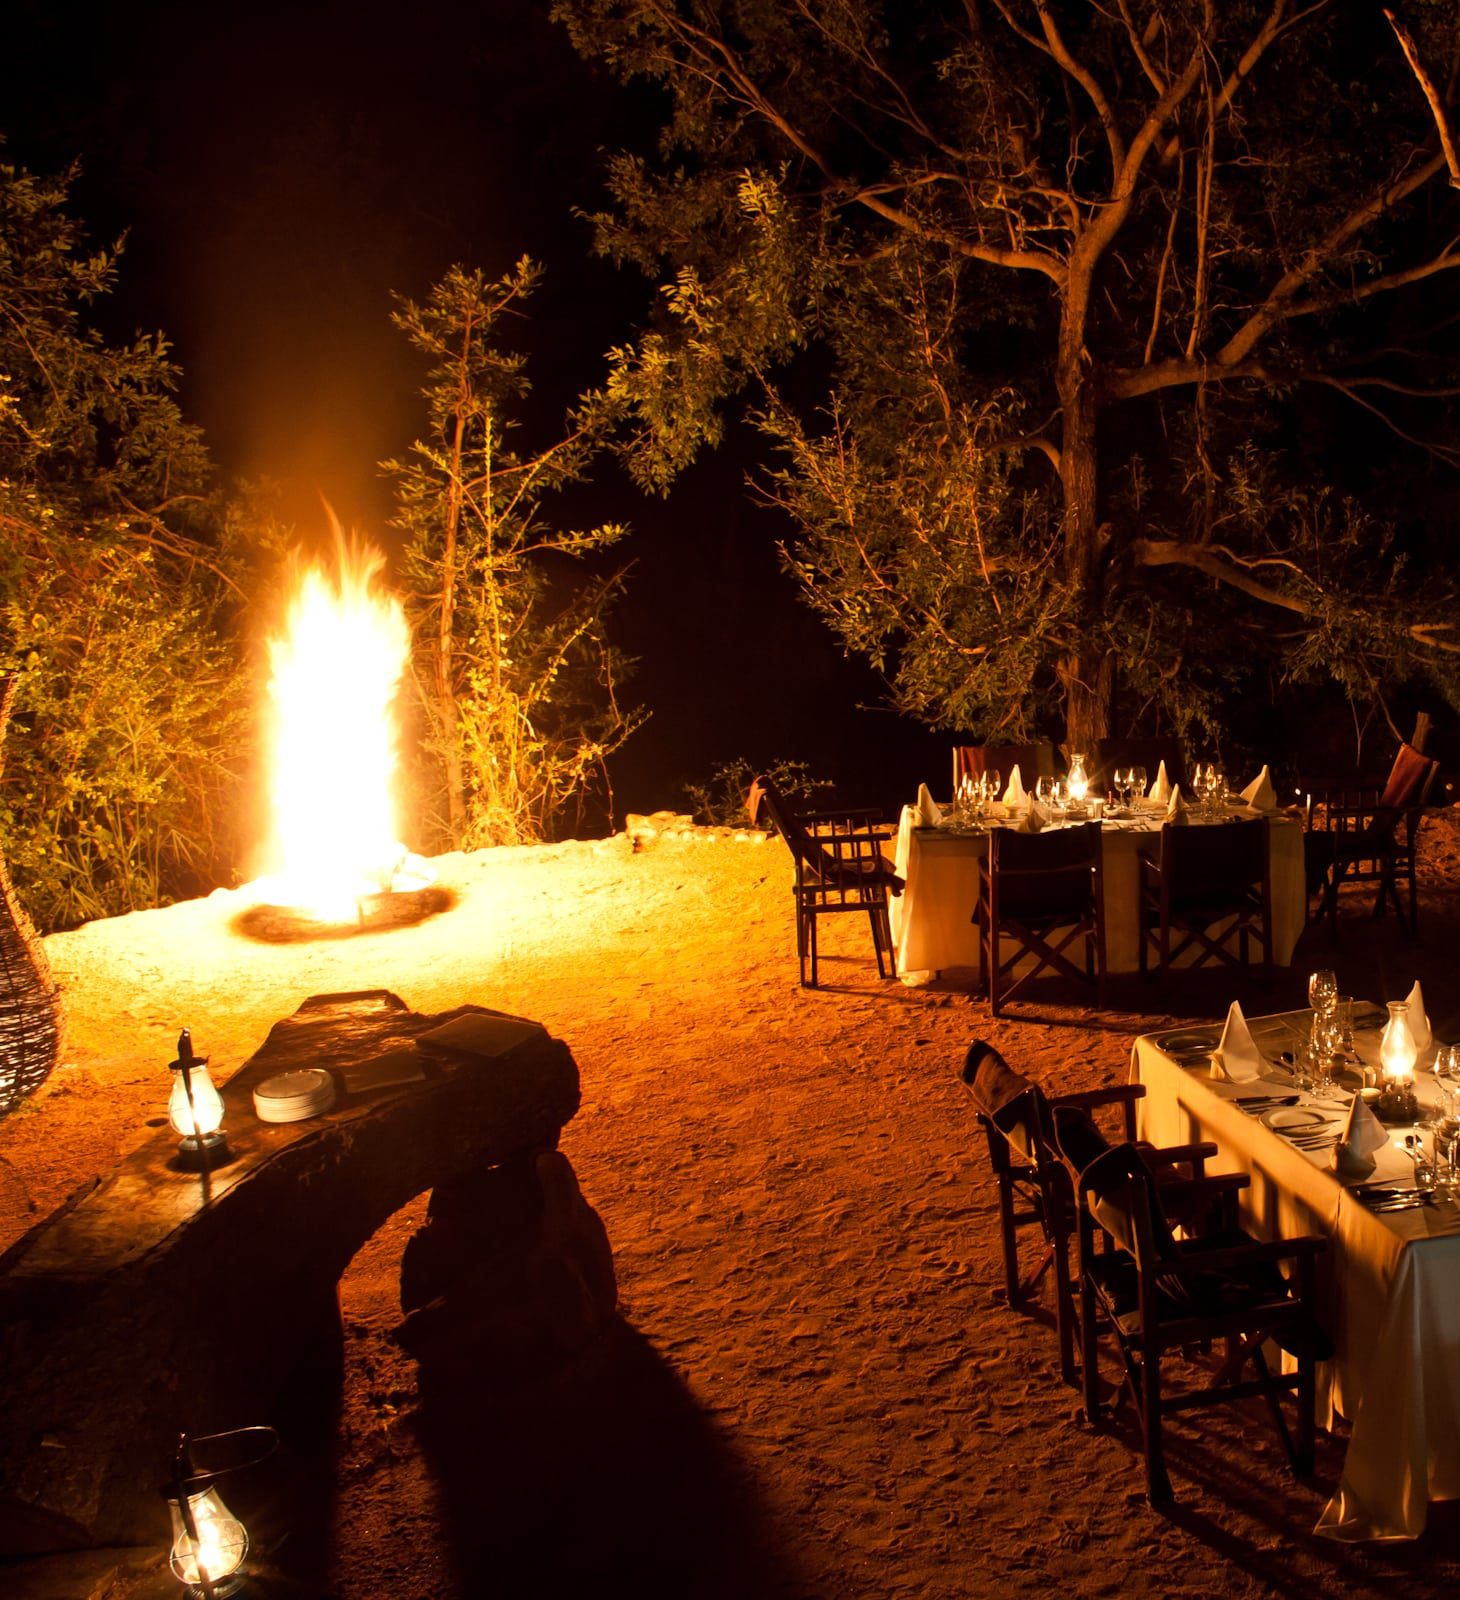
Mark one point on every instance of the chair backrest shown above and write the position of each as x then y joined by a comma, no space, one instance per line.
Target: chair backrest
1410,780
1039,874
1217,865
1009,1104
799,840
1147,753
1034,761
1117,1187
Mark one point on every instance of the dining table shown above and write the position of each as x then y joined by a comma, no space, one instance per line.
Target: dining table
1390,1280
940,865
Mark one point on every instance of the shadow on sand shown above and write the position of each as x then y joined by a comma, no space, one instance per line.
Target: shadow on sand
605,1476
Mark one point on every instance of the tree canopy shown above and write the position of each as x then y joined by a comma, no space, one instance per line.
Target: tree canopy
113,589
515,675
1106,349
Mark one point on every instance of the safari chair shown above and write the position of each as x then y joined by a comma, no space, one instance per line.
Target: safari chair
839,868
1042,890
1205,879
1365,833
1147,753
1034,761
1032,1181
1033,1188
1160,1295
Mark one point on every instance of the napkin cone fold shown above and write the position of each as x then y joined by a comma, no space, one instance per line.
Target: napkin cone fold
1236,1058
1160,792
1034,819
930,813
1014,797
1363,1134
1260,794
1419,1021
1176,806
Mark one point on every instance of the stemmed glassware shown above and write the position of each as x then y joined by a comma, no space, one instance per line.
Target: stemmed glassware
1138,782
1123,778
1323,990
1324,1038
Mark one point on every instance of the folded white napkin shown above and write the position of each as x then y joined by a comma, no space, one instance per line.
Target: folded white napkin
930,813
1419,1022
1014,797
1034,819
1236,1057
1362,1135
1260,794
1161,789
1176,806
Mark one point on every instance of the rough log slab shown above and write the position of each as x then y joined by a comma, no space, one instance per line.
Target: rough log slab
157,1301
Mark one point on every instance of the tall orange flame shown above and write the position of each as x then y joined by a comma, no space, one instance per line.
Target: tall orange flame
335,673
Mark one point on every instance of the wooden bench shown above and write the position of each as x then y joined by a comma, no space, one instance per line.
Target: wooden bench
157,1301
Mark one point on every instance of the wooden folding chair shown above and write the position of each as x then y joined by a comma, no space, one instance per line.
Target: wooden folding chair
1207,887
1042,891
839,868
1160,1296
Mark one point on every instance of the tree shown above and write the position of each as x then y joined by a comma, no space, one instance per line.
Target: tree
113,592
515,676
1045,302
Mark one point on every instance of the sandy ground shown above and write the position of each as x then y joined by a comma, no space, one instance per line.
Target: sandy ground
815,1388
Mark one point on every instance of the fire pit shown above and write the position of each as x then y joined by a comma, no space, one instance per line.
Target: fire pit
375,913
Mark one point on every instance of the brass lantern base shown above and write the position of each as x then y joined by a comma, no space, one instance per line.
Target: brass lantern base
201,1152
1397,1105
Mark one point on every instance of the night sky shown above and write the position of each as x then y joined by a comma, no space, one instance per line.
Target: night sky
281,170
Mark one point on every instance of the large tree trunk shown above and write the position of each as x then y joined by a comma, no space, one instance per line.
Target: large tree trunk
1087,671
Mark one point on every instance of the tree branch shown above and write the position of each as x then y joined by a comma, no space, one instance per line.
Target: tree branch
1432,94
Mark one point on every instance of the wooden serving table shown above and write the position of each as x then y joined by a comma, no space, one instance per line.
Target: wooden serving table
158,1301
1391,1281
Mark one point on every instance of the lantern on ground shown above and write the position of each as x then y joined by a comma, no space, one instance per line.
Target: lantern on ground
196,1110
208,1541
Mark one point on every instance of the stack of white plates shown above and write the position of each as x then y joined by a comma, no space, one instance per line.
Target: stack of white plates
293,1096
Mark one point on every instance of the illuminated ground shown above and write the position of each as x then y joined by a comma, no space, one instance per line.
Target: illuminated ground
816,1391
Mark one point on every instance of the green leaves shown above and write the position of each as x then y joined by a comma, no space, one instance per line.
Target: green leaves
515,675
112,591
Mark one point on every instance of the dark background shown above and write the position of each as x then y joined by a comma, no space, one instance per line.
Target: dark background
282,171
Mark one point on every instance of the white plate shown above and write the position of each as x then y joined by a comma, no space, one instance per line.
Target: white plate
1289,1119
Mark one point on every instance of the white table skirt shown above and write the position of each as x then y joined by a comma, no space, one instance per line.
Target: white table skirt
932,920
1391,1289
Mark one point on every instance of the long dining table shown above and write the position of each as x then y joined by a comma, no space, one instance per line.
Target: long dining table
1391,1281
932,920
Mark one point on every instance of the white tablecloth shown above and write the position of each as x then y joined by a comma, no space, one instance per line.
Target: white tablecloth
932,926
1391,1288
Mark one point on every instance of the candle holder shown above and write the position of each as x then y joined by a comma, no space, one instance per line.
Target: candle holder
1398,1053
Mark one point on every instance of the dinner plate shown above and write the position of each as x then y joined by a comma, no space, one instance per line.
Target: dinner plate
1292,1119
1187,1041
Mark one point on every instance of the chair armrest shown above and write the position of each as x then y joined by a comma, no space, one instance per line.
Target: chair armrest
1116,1094
857,814
1172,1155
1258,1253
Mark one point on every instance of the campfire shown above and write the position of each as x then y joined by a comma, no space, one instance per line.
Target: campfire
336,860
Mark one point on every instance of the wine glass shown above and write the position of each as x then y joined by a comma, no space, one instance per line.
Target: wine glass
1044,792
1138,782
1199,786
1122,778
1323,1044
1322,991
